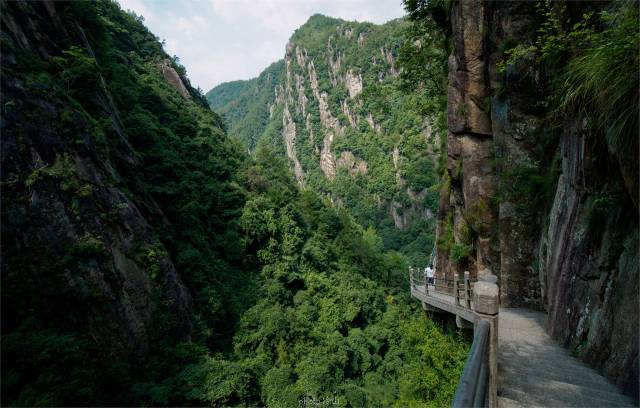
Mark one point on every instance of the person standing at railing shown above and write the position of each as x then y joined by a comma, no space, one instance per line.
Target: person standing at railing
429,272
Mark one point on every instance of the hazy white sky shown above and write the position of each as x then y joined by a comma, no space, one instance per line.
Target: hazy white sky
225,40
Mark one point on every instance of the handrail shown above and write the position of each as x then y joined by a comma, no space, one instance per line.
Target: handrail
462,288
479,382
449,282
471,391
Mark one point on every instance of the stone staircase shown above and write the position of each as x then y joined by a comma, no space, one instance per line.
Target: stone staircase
535,371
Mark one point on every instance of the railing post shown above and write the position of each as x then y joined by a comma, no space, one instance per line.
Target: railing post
467,290
426,281
486,307
412,278
455,289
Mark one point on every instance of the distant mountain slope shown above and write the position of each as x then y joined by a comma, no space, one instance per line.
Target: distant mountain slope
227,92
351,128
244,104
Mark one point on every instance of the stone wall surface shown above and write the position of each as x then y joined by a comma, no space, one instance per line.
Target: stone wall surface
552,250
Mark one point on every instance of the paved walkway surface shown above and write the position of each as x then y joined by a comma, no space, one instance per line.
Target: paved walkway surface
535,371
442,301
437,293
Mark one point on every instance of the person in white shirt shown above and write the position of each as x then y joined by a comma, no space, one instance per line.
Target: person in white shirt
429,272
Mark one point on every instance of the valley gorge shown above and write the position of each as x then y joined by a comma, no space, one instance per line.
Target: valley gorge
249,246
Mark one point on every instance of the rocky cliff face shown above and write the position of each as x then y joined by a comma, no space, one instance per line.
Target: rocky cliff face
555,218
71,236
172,77
335,109
84,250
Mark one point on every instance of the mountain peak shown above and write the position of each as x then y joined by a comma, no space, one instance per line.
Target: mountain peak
322,19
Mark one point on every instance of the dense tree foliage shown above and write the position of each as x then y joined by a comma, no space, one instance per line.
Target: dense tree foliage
587,58
181,176
333,319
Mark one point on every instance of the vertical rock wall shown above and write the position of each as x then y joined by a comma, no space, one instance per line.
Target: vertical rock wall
570,248
517,131
588,261
470,150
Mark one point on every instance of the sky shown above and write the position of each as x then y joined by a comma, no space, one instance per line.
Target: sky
224,40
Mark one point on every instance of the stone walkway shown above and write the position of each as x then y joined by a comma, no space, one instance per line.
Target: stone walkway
442,301
535,371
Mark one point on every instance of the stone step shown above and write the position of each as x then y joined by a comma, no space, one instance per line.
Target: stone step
547,392
549,351
549,359
504,402
557,400
591,380
518,343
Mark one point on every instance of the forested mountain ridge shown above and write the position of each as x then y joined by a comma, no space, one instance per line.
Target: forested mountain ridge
244,104
353,128
146,260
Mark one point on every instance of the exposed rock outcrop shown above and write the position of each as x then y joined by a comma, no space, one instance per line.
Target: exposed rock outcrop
403,214
324,117
373,124
335,63
395,158
353,83
349,115
353,164
301,56
172,77
302,97
361,38
470,143
289,135
307,124
327,158
388,57
79,253
348,33
589,269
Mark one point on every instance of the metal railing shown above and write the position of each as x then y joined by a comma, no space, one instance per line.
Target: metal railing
478,384
417,277
472,388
